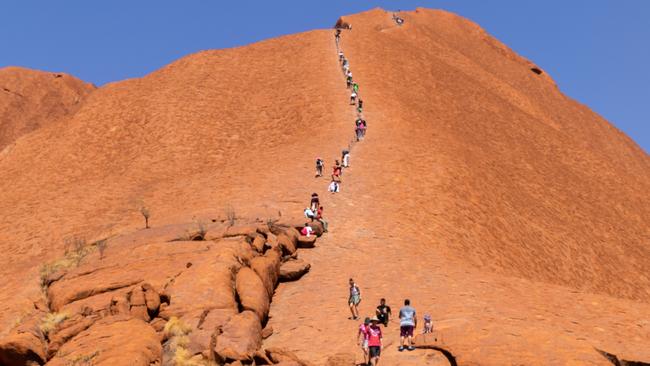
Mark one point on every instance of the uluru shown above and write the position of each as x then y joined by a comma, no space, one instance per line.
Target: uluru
178,218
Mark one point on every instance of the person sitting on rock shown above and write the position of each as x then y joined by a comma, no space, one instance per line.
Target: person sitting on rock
319,167
306,230
315,202
354,299
428,324
319,217
310,214
383,312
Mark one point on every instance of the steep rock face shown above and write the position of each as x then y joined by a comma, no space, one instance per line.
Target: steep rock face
31,99
492,160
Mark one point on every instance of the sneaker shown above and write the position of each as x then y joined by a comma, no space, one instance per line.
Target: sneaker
401,348
411,348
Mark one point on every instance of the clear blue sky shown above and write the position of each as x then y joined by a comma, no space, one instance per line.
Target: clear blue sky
597,51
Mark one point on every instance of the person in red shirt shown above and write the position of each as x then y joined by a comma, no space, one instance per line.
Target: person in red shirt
319,217
374,341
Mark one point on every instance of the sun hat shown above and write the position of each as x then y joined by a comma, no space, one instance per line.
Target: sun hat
374,319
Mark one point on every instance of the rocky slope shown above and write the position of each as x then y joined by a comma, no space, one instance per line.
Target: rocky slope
514,215
30,99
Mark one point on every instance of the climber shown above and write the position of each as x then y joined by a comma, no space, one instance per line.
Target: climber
363,331
428,324
353,98
374,341
341,57
348,82
359,105
319,167
309,214
319,217
345,157
354,300
315,202
397,19
355,87
383,312
337,36
334,186
306,230
408,322
336,170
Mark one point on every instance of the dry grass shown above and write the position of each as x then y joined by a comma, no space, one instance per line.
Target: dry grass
83,359
75,251
177,332
230,215
51,321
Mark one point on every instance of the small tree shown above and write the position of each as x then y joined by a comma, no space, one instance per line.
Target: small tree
145,212
101,247
230,215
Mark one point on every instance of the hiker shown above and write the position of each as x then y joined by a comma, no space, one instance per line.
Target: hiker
408,322
341,57
363,331
354,299
383,312
309,214
315,202
334,186
355,87
319,217
357,124
397,19
353,98
375,339
319,167
337,36
362,130
337,171
359,106
306,230
345,157
428,324
348,82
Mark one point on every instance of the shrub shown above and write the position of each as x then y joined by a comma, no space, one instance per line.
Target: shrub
230,215
51,321
145,213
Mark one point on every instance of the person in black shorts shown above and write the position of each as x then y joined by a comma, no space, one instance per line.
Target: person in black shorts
315,202
383,312
375,341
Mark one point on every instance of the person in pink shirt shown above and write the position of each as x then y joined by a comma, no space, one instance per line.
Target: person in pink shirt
363,331
374,341
307,230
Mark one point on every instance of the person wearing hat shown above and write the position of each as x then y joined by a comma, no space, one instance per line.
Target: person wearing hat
374,341
363,331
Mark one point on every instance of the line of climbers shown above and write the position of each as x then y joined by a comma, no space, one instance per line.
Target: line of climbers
370,330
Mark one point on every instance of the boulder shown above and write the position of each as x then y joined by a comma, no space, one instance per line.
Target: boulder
293,269
244,230
241,337
267,332
151,297
287,244
258,243
68,329
138,307
306,241
23,346
267,268
318,228
115,340
252,293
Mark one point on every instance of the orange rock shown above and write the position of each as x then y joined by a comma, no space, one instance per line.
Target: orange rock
67,330
287,244
115,340
241,338
25,344
307,241
252,293
267,268
151,297
258,243
293,269
280,355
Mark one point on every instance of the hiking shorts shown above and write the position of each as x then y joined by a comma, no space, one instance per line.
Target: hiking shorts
406,331
364,345
354,300
375,351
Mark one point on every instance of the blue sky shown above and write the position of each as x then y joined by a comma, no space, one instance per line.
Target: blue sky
597,51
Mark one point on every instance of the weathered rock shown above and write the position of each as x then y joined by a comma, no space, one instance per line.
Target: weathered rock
252,293
268,268
280,355
241,338
68,329
116,340
258,243
25,345
119,305
247,230
428,339
294,269
267,332
158,324
318,228
287,244
138,307
151,297
307,241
